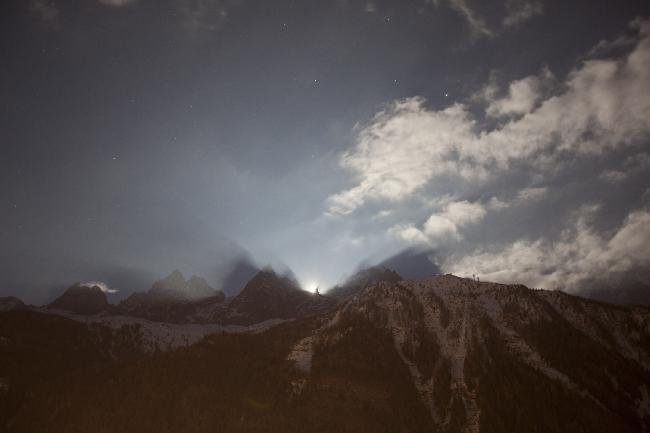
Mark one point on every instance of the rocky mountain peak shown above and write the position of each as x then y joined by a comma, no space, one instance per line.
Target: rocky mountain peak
268,280
175,286
81,299
269,295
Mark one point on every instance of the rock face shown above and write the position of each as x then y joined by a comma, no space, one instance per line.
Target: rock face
172,299
362,279
269,296
81,299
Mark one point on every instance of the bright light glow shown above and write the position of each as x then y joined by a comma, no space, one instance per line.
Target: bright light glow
311,286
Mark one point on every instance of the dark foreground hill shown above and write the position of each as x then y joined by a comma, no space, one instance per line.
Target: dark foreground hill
441,354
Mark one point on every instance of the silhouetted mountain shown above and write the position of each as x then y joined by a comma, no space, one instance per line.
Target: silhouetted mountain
238,274
361,280
172,299
81,299
269,296
266,296
443,354
176,287
412,263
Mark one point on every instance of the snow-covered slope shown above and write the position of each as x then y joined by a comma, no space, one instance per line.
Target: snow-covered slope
150,336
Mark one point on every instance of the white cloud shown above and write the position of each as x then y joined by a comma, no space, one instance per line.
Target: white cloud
603,107
400,151
520,11
46,11
580,254
523,197
529,194
522,95
443,227
614,176
409,234
474,20
383,214
464,212
516,13
103,286
447,225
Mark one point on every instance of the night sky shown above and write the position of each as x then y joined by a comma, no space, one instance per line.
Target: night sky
510,139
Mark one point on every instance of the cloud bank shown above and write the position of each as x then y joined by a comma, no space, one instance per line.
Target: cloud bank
512,148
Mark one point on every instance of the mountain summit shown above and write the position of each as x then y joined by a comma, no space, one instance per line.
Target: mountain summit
81,299
269,295
172,299
176,287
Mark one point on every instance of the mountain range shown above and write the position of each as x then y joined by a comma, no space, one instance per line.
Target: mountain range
378,353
